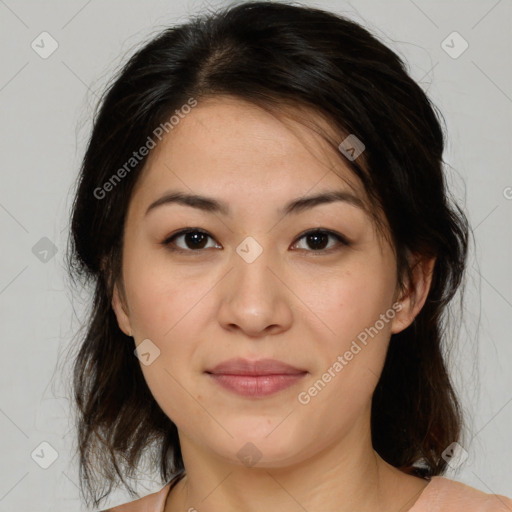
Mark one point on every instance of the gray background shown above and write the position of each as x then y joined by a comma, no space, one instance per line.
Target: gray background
46,108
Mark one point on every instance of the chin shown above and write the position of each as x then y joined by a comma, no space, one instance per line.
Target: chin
261,442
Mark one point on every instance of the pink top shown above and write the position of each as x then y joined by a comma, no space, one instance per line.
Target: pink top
440,495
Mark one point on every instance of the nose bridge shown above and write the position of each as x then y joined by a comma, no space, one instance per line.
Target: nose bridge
252,274
252,298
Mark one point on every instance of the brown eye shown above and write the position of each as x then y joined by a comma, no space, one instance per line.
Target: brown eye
318,240
195,240
192,240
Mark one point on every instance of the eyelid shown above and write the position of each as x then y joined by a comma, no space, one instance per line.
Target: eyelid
341,239
168,240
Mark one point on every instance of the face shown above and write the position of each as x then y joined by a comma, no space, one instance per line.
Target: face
313,288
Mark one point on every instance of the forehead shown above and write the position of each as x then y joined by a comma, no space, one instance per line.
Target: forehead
230,148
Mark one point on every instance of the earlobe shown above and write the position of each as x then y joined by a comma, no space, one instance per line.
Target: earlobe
416,294
123,320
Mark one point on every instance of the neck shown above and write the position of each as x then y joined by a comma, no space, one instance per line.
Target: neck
346,475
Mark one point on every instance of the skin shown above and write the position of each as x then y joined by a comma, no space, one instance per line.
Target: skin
293,303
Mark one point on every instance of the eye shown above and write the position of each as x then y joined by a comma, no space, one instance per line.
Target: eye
194,240
318,239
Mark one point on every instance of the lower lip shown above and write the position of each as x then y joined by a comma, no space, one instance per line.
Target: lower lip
256,386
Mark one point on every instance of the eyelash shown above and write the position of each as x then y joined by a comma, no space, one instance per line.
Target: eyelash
341,239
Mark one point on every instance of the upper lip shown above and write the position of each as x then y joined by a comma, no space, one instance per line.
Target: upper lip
240,366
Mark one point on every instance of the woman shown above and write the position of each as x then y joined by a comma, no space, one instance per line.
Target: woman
263,214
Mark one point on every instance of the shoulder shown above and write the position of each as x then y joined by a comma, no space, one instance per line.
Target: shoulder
443,494
151,503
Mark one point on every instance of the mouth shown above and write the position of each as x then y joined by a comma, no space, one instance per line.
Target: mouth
255,379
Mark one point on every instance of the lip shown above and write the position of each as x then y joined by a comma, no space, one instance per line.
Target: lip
256,379
240,366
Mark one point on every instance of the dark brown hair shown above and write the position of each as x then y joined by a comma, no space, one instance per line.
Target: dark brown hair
271,54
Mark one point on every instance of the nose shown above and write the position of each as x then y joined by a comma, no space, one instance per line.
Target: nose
255,298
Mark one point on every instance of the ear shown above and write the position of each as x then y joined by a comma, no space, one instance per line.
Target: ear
120,310
416,293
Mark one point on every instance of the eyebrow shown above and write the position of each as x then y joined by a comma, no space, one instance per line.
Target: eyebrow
211,205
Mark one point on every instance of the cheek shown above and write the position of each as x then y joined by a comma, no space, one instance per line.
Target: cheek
349,301
162,310
351,359
160,297
352,338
